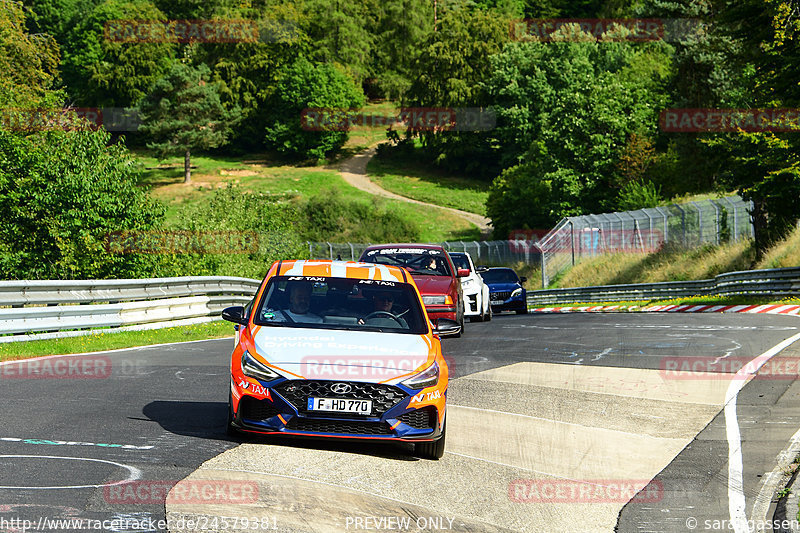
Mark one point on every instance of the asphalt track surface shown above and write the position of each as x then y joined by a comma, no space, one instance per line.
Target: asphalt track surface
158,413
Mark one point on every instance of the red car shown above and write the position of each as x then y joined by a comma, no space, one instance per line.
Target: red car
435,275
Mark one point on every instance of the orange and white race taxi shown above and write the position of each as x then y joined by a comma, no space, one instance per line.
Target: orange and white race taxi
338,349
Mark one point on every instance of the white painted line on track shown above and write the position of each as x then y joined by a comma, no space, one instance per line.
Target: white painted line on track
736,499
133,472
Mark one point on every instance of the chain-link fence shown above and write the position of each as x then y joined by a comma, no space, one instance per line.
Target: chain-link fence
646,230
482,252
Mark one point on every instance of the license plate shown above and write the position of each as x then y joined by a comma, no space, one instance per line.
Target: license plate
496,302
340,405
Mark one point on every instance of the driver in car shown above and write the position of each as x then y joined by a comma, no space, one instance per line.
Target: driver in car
382,305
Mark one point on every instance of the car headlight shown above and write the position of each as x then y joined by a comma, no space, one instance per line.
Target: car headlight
467,283
256,369
516,292
437,300
427,378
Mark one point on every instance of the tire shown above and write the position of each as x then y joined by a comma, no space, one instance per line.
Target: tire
431,450
461,331
522,311
489,313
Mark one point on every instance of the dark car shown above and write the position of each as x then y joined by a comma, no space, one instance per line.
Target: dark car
434,274
506,292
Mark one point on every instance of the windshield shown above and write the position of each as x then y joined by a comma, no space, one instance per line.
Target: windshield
499,275
341,303
460,261
420,261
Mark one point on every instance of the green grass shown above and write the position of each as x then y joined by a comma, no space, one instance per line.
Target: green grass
413,180
257,174
111,341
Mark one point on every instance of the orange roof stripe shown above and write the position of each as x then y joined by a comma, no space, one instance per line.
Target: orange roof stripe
342,269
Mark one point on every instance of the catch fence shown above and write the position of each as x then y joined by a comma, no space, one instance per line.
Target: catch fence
645,230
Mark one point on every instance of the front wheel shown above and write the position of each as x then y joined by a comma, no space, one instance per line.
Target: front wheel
489,313
431,450
460,331
523,311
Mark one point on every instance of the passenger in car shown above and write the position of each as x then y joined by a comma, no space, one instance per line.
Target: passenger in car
299,304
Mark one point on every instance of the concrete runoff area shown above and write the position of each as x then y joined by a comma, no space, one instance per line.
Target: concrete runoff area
491,448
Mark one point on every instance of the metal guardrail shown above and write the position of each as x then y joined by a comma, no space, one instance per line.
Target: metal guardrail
62,308
770,282
55,308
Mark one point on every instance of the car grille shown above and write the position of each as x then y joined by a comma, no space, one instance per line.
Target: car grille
338,426
297,392
420,418
253,409
501,295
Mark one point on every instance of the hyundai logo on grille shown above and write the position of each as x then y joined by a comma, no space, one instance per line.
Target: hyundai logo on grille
341,388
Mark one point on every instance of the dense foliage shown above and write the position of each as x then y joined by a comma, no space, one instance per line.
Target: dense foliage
575,125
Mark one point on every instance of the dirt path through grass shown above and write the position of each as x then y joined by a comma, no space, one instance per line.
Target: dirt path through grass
354,172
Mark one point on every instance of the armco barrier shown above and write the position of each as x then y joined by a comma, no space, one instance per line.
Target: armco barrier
778,282
55,308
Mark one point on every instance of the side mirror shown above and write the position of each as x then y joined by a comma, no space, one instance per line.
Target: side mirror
481,268
234,314
445,326
463,272
523,279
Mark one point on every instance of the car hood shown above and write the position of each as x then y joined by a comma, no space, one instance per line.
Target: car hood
433,284
494,287
342,354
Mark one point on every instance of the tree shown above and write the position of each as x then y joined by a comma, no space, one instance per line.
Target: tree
450,72
404,26
248,72
764,166
183,112
62,193
107,68
305,85
566,111
340,32
28,63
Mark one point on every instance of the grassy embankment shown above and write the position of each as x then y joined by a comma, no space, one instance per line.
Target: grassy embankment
676,264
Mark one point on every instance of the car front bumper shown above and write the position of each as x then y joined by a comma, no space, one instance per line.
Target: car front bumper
273,413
